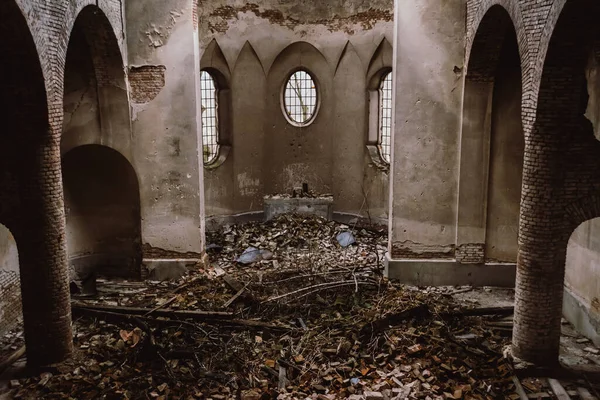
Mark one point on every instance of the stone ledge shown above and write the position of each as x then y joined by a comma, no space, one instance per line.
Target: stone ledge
320,206
450,273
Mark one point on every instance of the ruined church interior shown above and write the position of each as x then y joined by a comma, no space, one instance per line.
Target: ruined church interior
321,199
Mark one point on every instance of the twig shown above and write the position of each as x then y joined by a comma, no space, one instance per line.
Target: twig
470,312
304,289
236,296
332,287
166,303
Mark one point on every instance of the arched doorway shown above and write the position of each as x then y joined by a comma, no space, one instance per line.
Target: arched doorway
560,179
492,145
102,203
30,191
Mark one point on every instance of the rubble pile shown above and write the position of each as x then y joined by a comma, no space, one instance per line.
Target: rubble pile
300,317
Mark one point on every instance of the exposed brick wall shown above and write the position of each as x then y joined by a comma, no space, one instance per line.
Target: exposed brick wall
10,300
561,176
146,82
471,253
31,196
154,252
414,250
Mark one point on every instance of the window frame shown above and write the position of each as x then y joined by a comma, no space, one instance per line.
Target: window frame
375,111
283,103
217,116
380,126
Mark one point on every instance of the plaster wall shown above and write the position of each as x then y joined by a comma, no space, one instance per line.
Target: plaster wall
259,46
428,88
162,53
507,147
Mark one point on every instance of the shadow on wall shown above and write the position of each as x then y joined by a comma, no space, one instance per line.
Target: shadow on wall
102,204
10,287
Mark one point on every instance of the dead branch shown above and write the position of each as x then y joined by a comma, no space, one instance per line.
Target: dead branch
120,314
472,312
138,311
320,286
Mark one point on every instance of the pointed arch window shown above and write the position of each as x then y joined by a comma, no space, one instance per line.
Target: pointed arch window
209,93
385,117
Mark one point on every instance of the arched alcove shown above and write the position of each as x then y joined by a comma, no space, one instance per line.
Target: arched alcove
350,103
102,204
492,145
299,154
95,103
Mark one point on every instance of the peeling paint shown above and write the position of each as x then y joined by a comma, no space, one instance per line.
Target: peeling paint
158,34
365,19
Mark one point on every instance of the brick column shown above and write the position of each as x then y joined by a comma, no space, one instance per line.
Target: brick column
542,252
42,249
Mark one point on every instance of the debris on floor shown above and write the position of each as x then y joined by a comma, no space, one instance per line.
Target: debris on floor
313,319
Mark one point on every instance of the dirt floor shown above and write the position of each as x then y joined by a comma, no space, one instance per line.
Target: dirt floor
298,315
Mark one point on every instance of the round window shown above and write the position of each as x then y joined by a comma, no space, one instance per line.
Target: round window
300,98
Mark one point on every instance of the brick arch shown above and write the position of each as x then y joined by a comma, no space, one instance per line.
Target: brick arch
106,53
482,24
31,190
561,174
581,210
93,52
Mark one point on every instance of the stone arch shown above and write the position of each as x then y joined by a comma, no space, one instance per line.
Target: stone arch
491,145
380,63
96,102
31,193
213,61
351,121
102,202
561,172
296,155
249,83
